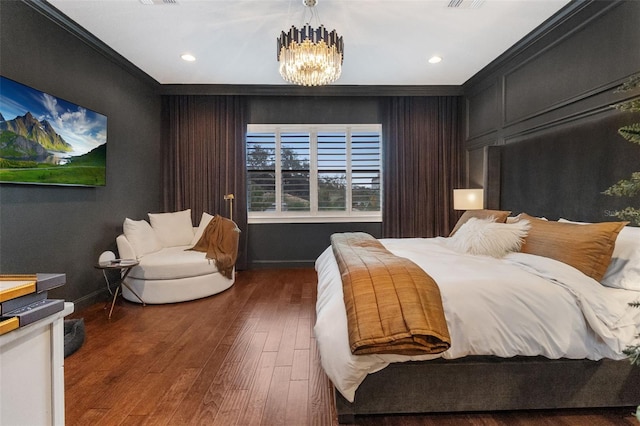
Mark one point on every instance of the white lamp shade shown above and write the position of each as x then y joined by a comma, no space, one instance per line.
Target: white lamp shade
468,199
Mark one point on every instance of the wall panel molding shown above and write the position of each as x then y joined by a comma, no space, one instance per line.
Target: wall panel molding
483,111
580,63
566,76
574,11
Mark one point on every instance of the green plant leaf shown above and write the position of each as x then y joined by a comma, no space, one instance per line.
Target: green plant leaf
632,105
629,214
631,132
632,83
625,187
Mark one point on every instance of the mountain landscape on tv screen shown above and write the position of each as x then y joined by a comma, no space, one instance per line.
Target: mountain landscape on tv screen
28,150
32,151
36,136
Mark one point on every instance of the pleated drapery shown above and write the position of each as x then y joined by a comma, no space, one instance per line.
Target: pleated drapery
204,158
423,163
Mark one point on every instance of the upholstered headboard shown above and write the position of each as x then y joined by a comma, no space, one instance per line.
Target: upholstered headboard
563,173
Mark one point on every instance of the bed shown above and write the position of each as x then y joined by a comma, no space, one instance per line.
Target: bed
536,320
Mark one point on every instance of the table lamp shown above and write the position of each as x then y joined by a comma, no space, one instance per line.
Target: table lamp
468,199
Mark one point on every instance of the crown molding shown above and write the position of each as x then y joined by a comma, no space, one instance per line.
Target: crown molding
50,12
581,10
292,90
63,21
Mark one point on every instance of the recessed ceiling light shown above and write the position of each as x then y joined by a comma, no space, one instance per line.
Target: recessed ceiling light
188,57
435,59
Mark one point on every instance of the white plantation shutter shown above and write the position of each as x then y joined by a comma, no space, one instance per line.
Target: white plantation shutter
314,172
332,171
261,171
366,164
294,163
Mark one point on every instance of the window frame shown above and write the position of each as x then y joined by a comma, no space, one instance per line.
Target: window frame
314,215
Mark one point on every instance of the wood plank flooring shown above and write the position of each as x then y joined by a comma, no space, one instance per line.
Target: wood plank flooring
246,356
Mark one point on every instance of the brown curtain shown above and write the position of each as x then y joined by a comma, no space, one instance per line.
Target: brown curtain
204,158
423,163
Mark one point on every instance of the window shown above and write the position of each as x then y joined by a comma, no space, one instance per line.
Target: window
317,173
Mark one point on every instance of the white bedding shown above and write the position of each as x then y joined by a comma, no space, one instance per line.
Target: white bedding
518,305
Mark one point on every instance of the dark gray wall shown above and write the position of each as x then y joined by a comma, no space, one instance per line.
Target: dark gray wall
561,79
64,229
299,244
555,78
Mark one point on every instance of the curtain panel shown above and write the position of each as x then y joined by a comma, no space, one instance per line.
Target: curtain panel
423,163
204,158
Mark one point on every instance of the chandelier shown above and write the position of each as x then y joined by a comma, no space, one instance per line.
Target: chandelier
308,56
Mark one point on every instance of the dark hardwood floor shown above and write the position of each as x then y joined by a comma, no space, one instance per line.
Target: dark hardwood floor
246,356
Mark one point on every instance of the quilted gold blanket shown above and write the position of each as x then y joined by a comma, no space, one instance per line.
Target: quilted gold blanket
393,306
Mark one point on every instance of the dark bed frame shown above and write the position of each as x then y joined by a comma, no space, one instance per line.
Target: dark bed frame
493,384
523,176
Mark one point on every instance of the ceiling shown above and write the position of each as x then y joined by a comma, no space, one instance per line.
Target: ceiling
387,42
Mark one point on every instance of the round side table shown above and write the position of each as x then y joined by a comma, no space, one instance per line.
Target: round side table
124,266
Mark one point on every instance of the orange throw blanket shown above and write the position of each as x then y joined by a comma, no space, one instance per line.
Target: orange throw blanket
392,305
220,243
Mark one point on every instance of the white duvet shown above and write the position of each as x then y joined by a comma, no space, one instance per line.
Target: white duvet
518,305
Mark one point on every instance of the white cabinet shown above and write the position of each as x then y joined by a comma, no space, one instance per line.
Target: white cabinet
32,373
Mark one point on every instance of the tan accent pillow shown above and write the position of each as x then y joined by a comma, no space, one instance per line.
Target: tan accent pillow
587,248
500,216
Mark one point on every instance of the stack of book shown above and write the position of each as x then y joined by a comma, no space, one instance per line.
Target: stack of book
23,299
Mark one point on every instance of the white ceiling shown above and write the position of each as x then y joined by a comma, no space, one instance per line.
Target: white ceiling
387,42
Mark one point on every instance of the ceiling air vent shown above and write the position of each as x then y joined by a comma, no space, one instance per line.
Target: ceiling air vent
465,4
158,2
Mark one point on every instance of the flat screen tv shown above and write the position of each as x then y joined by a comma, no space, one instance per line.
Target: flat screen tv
50,141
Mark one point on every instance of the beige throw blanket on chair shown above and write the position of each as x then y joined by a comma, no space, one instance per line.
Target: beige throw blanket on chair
220,243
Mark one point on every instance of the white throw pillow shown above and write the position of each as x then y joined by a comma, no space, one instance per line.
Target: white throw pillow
485,237
141,237
624,269
173,229
204,221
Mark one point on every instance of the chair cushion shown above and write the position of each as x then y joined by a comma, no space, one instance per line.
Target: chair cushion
173,263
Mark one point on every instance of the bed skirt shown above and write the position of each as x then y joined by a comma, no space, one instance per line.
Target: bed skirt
493,384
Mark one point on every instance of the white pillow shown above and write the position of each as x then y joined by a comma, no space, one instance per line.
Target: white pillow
173,229
204,221
141,237
485,237
624,270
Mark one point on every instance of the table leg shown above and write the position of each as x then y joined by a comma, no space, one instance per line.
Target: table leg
115,294
134,293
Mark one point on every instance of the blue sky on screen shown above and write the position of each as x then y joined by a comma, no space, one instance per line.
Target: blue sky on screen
84,129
